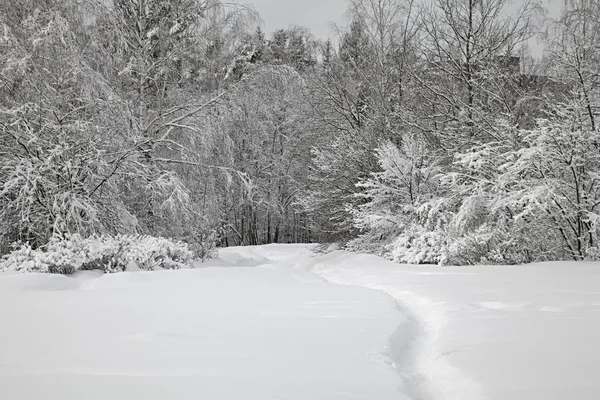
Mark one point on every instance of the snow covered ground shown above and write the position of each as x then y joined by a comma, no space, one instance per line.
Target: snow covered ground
267,333
520,333
295,326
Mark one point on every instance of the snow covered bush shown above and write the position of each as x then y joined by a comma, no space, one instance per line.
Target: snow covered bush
391,198
486,244
107,253
24,259
444,245
531,195
150,253
204,244
417,245
552,183
478,233
419,211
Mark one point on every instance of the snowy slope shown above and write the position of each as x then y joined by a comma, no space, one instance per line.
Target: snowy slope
520,333
270,332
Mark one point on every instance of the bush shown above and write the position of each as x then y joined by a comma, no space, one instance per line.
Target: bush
417,245
110,254
204,243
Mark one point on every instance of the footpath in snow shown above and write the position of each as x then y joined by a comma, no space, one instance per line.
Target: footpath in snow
276,323
504,333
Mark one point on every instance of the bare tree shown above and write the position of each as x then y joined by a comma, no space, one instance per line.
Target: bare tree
573,52
471,58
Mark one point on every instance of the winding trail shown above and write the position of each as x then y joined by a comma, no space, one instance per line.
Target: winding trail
527,332
414,347
278,323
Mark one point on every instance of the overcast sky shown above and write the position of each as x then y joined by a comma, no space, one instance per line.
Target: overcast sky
313,14
317,15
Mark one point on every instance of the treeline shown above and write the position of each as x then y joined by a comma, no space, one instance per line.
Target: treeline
426,133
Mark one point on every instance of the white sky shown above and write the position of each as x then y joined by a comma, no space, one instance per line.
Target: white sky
313,14
318,15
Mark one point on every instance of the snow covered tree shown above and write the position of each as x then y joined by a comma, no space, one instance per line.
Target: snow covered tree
394,196
295,47
62,163
357,101
472,69
552,183
95,120
264,117
573,52
171,59
461,106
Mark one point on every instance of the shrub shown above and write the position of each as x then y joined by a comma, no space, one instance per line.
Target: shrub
107,253
417,245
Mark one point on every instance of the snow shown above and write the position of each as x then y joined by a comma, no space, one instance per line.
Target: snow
297,326
270,332
492,332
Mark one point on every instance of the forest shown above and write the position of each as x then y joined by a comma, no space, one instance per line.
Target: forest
426,132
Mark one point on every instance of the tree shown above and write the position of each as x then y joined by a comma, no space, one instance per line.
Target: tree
462,105
295,47
101,107
553,181
472,69
171,59
394,195
62,166
358,100
265,118
573,52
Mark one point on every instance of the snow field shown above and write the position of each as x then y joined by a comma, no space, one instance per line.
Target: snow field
520,333
270,332
297,326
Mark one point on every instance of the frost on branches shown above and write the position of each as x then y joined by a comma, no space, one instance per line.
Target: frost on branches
533,196
89,147
392,198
